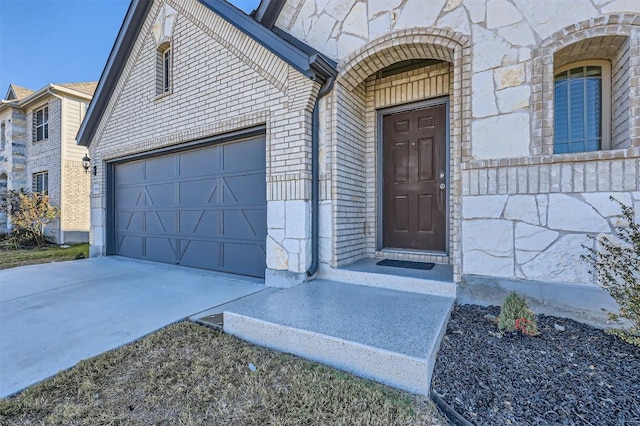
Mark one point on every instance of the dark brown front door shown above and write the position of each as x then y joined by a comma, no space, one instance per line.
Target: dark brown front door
414,194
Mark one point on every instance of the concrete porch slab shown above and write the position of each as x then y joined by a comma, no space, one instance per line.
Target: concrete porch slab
437,281
386,335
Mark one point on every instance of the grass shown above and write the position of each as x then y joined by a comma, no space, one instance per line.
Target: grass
10,258
188,374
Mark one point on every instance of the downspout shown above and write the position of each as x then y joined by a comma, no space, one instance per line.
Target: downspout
315,176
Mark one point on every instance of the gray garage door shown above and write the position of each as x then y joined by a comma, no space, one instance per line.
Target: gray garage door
204,208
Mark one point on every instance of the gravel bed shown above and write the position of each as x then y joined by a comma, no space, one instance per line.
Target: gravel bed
579,376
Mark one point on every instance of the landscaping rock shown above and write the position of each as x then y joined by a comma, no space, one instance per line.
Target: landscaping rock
558,327
580,376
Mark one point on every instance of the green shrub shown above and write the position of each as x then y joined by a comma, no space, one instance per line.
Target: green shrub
515,315
616,264
30,213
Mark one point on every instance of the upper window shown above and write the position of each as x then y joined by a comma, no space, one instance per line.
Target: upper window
41,124
166,75
41,182
3,136
164,69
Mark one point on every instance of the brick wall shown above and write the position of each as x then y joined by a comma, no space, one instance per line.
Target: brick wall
235,85
45,155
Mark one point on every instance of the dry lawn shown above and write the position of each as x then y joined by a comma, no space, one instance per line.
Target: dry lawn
11,258
188,374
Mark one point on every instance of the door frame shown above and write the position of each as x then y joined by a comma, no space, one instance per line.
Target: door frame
380,114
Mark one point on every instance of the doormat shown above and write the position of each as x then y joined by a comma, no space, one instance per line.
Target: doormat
406,264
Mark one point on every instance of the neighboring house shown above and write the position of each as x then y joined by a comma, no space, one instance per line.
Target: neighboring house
38,152
486,135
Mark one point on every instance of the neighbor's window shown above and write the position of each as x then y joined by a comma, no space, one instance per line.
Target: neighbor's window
41,182
582,110
3,136
41,121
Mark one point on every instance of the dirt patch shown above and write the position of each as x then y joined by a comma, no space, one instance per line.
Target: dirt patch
189,374
571,374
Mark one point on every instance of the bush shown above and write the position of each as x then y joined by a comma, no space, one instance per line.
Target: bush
515,315
616,265
29,214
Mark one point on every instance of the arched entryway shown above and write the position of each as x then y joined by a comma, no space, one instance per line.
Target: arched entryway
402,108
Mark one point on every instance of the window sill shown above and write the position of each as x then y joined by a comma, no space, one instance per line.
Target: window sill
609,154
162,96
41,140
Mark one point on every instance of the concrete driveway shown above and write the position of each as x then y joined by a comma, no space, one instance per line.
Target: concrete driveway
54,315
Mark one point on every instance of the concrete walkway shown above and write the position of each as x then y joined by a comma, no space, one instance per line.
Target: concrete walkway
54,315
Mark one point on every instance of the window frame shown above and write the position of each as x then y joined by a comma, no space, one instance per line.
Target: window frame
605,102
166,70
44,175
44,125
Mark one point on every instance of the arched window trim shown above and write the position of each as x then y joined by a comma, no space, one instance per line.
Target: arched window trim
606,97
164,68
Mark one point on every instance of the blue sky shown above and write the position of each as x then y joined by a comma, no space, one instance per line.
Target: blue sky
60,41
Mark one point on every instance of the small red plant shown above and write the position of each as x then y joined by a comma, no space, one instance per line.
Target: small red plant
526,327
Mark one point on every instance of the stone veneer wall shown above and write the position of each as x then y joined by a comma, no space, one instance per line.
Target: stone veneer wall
222,81
501,121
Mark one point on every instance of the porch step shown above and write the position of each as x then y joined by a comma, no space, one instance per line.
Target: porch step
385,335
437,281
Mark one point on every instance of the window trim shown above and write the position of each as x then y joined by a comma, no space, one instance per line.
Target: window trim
44,125
166,69
606,100
34,184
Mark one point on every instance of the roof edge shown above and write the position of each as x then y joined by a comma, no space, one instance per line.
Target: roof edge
118,56
308,62
268,12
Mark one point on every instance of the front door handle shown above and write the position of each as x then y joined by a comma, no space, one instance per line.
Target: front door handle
443,186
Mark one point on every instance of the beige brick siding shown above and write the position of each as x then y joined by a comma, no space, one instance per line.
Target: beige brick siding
45,155
75,197
620,97
207,99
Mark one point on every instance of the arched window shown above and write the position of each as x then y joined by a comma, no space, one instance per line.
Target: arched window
582,107
164,68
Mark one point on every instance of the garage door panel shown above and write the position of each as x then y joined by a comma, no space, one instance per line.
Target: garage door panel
131,246
258,220
208,225
245,189
130,197
160,168
161,195
161,249
204,208
236,255
201,254
131,173
198,193
199,162
248,155
238,224
131,221
159,222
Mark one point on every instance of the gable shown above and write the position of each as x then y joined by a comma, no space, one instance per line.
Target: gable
240,34
218,73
